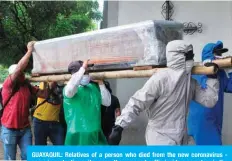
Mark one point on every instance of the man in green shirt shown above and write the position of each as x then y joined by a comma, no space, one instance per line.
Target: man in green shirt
82,107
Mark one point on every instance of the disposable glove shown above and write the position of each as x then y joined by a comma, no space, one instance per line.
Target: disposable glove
116,135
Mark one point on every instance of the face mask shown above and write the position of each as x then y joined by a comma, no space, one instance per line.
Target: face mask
85,80
189,55
189,65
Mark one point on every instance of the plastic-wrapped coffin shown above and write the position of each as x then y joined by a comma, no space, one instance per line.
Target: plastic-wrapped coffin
143,43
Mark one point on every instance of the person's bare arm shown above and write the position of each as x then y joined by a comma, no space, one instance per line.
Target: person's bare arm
42,93
117,112
117,109
22,64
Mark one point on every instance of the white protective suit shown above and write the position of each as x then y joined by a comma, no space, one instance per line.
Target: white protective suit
166,96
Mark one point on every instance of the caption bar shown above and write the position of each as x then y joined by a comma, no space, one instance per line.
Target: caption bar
129,153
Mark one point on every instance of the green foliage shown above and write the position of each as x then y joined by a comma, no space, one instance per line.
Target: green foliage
23,21
4,73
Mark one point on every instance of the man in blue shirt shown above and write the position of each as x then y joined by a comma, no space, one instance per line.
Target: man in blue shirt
205,124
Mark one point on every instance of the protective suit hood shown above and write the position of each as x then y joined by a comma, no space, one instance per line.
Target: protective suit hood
176,52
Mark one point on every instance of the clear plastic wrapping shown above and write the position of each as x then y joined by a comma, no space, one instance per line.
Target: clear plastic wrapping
143,42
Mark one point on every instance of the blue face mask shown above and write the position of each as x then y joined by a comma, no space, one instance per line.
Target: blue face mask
85,80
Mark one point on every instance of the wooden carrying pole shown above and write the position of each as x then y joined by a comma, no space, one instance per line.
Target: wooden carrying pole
222,63
120,74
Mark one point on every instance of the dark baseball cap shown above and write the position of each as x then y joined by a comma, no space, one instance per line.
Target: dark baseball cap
74,66
219,52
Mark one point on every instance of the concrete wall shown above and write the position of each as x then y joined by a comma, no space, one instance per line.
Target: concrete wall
216,18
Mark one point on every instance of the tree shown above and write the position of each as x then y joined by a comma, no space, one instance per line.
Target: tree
23,21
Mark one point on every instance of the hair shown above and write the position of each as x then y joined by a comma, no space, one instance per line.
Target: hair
107,84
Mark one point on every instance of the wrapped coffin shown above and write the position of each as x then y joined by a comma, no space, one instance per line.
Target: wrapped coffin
139,44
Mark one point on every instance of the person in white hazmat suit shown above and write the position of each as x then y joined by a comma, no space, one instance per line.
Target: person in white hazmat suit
165,97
